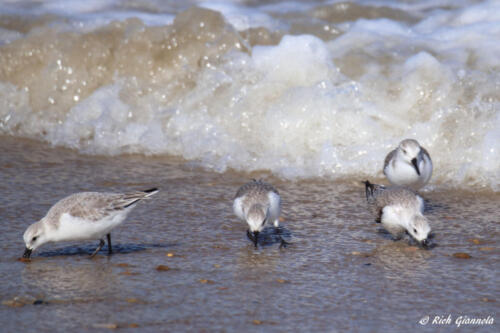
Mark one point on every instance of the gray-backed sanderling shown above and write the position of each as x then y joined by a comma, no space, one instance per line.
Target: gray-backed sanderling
400,210
83,216
258,203
408,165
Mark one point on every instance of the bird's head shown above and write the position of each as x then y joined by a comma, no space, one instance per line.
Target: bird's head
34,237
419,229
411,153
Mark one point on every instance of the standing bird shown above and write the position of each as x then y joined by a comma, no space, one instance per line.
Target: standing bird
408,165
258,203
400,210
83,216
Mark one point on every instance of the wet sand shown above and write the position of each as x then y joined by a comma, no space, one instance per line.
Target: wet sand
340,273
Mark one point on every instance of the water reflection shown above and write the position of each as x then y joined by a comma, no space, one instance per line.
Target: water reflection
401,262
70,279
88,249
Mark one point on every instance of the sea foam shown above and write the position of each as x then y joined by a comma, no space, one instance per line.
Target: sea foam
236,90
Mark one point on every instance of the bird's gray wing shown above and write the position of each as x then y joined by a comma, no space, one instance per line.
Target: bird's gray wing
388,159
257,186
95,206
373,194
425,152
245,189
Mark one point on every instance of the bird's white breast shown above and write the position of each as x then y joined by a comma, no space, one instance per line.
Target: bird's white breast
402,173
74,228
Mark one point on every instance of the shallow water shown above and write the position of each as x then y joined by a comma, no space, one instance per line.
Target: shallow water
340,273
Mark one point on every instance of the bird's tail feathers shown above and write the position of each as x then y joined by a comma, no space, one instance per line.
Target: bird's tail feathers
369,189
372,190
151,191
134,197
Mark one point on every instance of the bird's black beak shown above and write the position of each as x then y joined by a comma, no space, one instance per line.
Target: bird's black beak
27,253
255,238
425,243
415,165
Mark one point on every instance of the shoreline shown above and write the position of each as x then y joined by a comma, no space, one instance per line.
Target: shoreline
338,271
12,142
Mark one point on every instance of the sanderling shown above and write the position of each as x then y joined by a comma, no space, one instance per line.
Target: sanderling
408,165
83,216
258,203
400,210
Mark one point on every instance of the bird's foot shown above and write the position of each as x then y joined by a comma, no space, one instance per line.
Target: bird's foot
283,243
101,244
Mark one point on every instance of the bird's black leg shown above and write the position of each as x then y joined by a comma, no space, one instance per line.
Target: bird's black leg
277,230
110,248
101,244
255,238
249,235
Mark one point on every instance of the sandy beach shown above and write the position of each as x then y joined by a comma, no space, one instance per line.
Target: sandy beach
340,273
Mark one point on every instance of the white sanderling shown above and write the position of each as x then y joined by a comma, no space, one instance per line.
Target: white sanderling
408,165
258,203
83,216
400,210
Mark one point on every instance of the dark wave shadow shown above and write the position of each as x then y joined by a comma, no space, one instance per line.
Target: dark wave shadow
387,235
270,236
89,249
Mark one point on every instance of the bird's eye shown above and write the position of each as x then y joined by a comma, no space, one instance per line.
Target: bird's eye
34,239
414,230
404,151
